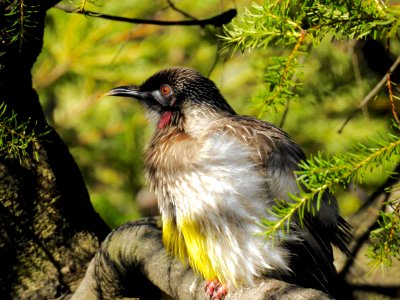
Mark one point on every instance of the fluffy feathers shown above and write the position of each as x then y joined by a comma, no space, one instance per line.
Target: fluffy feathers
216,174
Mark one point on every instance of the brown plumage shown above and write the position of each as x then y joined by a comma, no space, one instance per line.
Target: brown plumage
216,174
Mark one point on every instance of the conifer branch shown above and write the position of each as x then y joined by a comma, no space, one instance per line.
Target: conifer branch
283,22
19,16
319,175
260,26
385,244
16,140
283,90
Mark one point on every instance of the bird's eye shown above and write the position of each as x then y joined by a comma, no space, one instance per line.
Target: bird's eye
166,89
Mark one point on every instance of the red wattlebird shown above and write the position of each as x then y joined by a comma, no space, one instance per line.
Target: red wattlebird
215,175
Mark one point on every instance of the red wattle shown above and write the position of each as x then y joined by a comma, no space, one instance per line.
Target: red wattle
165,118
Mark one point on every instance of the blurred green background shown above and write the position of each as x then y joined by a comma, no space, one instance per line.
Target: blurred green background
84,57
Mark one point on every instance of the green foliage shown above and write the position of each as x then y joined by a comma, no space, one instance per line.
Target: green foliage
284,22
290,33
261,26
353,19
385,240
299,24
319,175
280,78
20,19
17,140
343,168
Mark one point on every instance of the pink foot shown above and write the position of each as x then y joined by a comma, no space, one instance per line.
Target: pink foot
215,290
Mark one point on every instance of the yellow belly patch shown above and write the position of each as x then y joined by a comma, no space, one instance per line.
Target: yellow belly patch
189,243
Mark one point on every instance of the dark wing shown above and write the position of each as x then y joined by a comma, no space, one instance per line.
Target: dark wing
311,252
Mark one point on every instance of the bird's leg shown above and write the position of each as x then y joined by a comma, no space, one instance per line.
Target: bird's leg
215,290
220,293
210,287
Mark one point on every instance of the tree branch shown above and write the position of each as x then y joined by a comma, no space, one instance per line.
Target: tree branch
133,262
183,13
371,94
218,20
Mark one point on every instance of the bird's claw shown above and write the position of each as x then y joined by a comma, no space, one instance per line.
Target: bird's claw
215,290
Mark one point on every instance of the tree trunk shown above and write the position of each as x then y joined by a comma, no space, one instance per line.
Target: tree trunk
48,228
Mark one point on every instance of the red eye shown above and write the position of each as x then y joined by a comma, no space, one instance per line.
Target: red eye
166,89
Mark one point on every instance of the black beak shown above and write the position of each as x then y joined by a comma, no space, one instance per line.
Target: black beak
127,91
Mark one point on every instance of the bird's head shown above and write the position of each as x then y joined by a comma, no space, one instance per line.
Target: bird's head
177,97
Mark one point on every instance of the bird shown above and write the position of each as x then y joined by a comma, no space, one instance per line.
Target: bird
216,175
